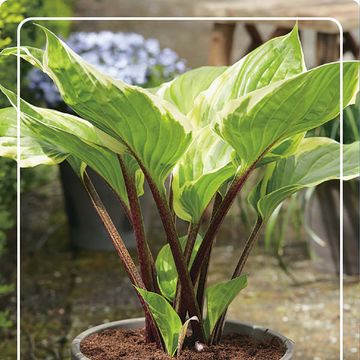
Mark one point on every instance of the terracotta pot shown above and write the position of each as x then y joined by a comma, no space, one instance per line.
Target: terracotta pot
258,332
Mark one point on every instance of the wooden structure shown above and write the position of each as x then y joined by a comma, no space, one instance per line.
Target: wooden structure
327,32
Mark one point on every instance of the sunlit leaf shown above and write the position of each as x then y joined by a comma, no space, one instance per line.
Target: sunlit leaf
257,122
207,163
183,90
201,171
166,318
32,153
317,161
277,59
150,127
218,299
61,135
286,148
166,269
33,55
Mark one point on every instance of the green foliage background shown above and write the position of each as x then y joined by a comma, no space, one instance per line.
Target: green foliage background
12,12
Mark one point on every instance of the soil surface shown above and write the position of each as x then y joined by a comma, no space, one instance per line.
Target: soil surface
116,344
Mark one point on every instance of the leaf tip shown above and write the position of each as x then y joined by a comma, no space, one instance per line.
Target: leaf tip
296,27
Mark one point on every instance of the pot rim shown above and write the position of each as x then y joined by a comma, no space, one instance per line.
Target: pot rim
77,354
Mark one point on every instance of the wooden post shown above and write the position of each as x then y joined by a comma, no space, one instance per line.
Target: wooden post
280,31
327,49
255,36
221,44
351,45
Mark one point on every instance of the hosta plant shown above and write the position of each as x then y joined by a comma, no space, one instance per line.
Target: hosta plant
195,140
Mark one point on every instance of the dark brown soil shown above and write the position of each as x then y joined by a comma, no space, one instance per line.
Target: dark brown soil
115,344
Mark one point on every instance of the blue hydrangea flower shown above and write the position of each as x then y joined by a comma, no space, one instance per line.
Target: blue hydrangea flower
124,56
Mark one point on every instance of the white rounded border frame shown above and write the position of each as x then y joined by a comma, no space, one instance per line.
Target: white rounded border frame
186,18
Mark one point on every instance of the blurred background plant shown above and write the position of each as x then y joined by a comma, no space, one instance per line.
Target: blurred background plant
12,12
7,221
351,125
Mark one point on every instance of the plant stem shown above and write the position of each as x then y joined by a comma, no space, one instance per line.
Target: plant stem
171,199
205,247
146,260
250,242
122,251
179,259
192,235
115,237
179,301
204,270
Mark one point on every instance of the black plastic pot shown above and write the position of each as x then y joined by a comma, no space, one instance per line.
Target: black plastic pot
258,332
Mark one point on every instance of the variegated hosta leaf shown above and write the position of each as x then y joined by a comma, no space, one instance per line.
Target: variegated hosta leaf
206,165
61,135
257,122
166,318
32,153
142,121
317,160
103,161
33,55
277,59
197,177
183,90
68,123
286,148
167,275
218,299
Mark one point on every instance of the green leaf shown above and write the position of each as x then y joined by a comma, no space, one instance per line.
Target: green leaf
166,270
32,152
54,132
277,59
183,333
205,166
208,162
32,55
150,127
277,226
255,123
317,161
166,318
5,321
271,233
351,121
218,299
68,123
77,165
183,90
285,149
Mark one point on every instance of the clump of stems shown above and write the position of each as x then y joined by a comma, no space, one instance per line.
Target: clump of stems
187,302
